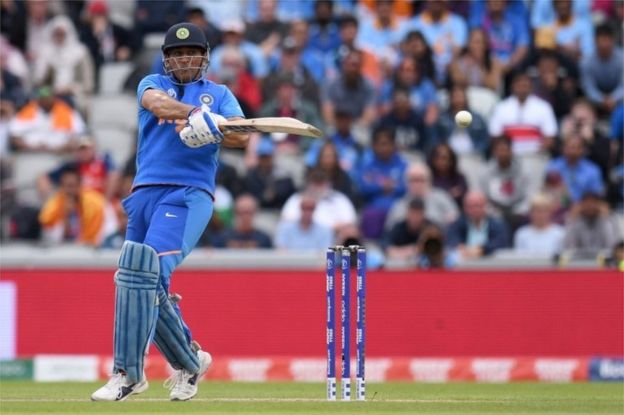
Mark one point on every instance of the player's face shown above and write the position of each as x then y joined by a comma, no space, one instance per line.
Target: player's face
185,63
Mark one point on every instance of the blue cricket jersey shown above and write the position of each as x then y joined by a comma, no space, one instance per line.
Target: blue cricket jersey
162,158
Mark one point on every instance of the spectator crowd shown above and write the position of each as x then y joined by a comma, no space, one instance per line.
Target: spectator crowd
540,170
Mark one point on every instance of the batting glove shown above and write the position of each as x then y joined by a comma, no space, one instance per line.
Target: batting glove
190,139
205,125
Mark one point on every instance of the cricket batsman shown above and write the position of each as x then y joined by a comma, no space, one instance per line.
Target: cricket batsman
168,209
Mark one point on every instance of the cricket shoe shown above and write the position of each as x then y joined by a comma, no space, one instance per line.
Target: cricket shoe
118,389
183,384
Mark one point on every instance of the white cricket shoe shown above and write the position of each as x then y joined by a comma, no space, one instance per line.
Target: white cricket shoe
183,384
118,389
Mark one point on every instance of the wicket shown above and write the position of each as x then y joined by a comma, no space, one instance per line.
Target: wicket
344,254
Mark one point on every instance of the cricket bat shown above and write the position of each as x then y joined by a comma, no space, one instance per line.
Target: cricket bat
271,125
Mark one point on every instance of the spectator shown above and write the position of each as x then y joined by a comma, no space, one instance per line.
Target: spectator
505,184
507,33
97,171
616,259
590,229
579,174
218,11
582,121
473,139
541,235
11,88
333,209
555,187
474,65
267,32
324,34
411,133
349,151
268,184
156,17
12,60
197,16
7,112
305,234
476,234
73,214
415,45
287,103
28,31
440,208
403,239
528,120
617,129
291,64
236,76
45,124
445,172
313,60
66,63
329,162
615,21
106,41
445,32
572,35
233,31
432,248
553,84
351,92
602,72
244,234
228,178
422,92
383,33
380,181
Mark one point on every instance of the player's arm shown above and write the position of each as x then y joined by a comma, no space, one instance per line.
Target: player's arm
163,106
235,140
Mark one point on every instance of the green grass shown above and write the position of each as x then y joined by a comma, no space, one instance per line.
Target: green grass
308,398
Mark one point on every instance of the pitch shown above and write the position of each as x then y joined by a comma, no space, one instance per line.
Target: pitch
308,398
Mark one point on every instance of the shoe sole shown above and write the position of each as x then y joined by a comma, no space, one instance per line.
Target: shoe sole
141,387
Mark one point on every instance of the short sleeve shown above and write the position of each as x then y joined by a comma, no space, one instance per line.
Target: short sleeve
229,107
149,82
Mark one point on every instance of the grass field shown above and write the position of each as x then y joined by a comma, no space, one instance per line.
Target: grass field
308,398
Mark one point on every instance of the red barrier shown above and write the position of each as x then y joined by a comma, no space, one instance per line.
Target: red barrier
273,313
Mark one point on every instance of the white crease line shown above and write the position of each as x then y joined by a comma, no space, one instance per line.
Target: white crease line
269,400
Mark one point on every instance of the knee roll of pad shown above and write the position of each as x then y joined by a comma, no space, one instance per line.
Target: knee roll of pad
136,308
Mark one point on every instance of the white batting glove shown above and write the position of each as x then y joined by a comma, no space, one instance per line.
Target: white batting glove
189,138
205,125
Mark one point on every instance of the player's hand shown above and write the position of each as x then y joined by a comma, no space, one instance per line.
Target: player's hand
205,125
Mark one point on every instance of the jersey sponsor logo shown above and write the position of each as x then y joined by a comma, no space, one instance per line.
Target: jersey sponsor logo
182,33
172,93
206,99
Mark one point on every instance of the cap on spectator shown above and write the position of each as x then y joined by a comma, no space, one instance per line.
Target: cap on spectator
417,203
265,146
98,8
233,26
44,91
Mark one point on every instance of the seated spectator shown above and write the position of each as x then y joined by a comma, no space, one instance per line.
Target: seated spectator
228,178
313,60
433,250
287,103
555,187
476,234
156,17
268,184
568,33
474,65
106,41
197,16
351,92
116,238
66,63
445,172
440,208
333,209
244,234
329,162
468,140
233,31
554,84
7,112
402,242
528,120
13,61
422,93
46,124
590,229
236,76
324,34
415,46
382,34
505,184
446,32
97,171
268,31
304,234
507,33
541,235
602,72
73,214
582,121
11,86
411,133
579,174
380,181
349,151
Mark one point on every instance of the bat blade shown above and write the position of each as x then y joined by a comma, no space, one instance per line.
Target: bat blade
271,125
